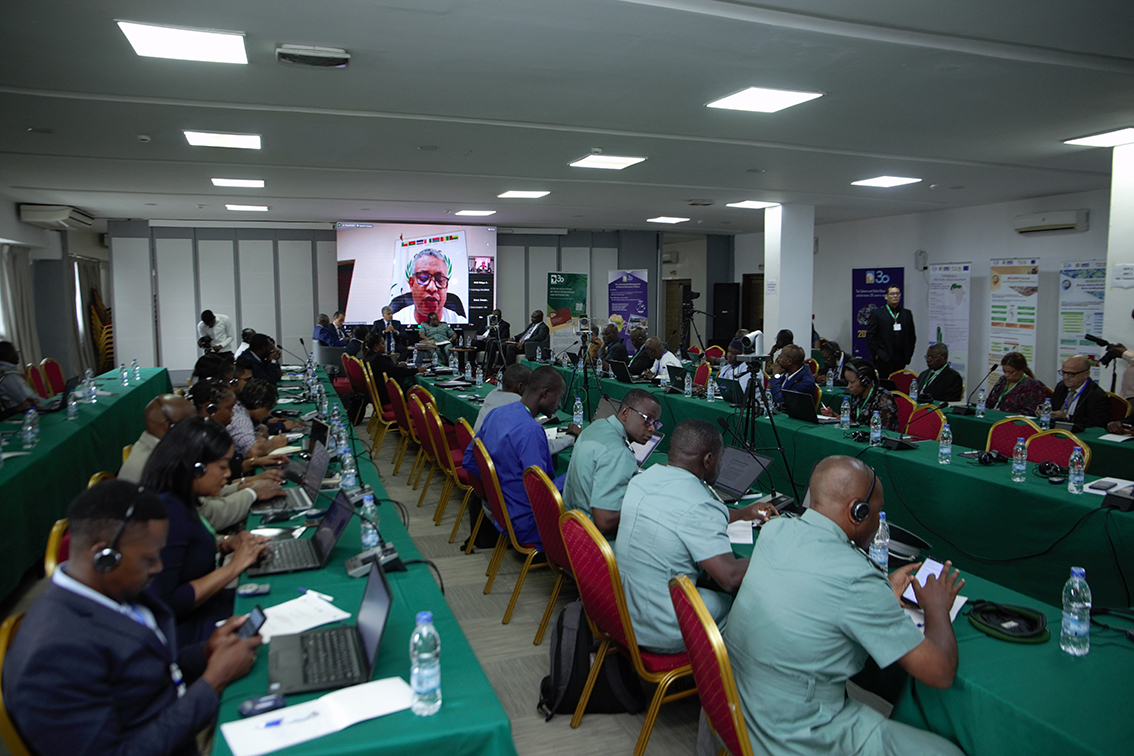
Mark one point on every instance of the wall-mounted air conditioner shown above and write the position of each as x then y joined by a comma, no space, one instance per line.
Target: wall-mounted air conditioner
1056,220
55,217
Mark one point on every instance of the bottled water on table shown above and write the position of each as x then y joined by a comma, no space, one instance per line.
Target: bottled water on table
663,379
499,378
90,390
425,666
468,371
369,516
980,404
876,429
914,390
28,431
1045,414
844,415
1019,462
880,546
1075,633
945,446
711,390
688,385
73,407
770,400
1076,468
577,411
336,415
349,473
123,375
479,377
830,379
136,370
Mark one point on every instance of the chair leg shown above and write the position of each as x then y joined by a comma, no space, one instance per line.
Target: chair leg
655,707
460,516
472,535
425,488
400,453
398,448
519,584
415,471
443,502
550,607
494,563
600,655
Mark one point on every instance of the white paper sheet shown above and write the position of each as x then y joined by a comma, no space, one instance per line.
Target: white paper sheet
740,532
298,615
285,450
1117,437
918,616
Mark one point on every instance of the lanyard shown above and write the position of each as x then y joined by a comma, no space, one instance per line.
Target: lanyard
933,376
1006,392
1069,400
892,314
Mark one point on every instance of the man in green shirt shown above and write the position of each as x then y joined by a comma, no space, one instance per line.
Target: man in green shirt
602,463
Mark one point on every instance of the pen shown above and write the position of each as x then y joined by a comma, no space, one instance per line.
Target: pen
323,596
285,721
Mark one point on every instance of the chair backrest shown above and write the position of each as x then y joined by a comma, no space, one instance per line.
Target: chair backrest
398,402
353,368
464,432
902,380
547,506
8,730
99,477
812,365
437,439
423,394
906,407
711,669
371,386
419,429
1003,434
57,551
1056,445
1119,407
35,378
600,586
694,350
926,423
126,451
701,377
53,374
492,492
715,352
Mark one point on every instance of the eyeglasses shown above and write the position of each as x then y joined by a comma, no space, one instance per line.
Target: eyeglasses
439,279
650,422
1069,373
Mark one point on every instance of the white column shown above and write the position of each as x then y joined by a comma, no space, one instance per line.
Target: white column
1118,325
789,262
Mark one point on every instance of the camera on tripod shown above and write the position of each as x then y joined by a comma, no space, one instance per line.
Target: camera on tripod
493,321
687,303
1106,359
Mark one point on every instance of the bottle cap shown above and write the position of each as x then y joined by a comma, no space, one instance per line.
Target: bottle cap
425,618
1078,572
882,516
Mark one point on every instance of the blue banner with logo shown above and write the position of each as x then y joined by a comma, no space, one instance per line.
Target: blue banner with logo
868,292
628,295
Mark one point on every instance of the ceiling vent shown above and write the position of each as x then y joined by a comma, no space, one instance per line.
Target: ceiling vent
55,217
1056,220
319,57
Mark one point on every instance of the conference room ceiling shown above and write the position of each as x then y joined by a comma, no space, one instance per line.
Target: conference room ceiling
448,103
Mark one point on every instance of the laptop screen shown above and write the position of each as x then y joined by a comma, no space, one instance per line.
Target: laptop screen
643,451
318,435
332,526
373,613
676,375
316,471
739,470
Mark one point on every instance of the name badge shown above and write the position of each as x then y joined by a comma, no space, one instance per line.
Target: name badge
897,326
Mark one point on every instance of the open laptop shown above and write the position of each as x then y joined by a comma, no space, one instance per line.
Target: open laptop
801,406
730,390
56,403
296,468
298,555
642,452
305,495
676,377
333,657
739,470
622,373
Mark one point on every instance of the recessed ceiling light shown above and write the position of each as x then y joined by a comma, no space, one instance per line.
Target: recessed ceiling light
1109,139
478,213
886,181
666,219
608,162
248,208
752,204
761,100
218,139
522,195
151,41
240,183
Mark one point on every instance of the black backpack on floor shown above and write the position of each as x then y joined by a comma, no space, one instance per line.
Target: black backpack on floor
617,689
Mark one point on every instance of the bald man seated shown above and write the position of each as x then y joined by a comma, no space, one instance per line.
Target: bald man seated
222,512
814,606
1077,398
672,524
662,358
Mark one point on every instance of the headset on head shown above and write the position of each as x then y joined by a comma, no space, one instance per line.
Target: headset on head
860,509
863,378
107,559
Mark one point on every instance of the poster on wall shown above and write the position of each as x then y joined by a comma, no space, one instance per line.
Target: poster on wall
628,298
1082,291
949,300
1014,292
566,303
868,293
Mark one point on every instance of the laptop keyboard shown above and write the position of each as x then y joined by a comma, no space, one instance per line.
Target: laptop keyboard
329,657
288,555
293,498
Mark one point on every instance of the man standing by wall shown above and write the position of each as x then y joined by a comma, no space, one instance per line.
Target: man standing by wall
890,335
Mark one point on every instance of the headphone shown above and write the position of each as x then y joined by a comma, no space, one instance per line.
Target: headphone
107,559
860,509
1051,470
862,375
991,457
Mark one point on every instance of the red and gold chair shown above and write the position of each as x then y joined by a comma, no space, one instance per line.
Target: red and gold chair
1003,434
926,423
449,459
58,547
701,377
547,506
902,380
464,440
8,732
711,670
812,365
99,477
1056,445
53,375
600,587
714,353
35,378
906,407
426,453
401,419
1119,407
383,417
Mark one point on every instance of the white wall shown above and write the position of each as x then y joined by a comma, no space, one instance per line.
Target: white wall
1118,325
691,264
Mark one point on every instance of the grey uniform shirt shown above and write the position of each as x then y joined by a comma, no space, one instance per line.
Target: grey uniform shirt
601,468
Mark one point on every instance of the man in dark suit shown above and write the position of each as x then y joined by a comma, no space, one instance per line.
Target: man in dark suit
890,335
95,666
325,332
792,374
612,346
1079,399
642,361
536,335
394,333
489,340
833,359
262,353
939,382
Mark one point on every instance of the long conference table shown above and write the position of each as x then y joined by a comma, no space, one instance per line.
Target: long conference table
37,488
471,720
1007,697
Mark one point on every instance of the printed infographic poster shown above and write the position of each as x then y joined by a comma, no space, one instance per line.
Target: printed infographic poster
949,300
1014,290
1082,291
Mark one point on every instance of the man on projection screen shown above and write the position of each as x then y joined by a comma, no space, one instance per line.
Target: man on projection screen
428,274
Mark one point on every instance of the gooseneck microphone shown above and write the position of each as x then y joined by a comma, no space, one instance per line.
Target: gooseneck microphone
968,408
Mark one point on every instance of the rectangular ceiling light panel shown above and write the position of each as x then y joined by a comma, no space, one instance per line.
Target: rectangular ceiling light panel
886,182
666,219
151,41
1109,139
219,139
248,208
606,162
477,213
240,183
522,195
752,204
762,100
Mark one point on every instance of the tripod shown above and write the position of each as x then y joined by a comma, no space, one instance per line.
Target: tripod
495,345
751,409
686,323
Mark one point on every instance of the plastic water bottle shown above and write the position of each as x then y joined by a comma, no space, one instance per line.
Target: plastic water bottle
711,390
73,407
980,404
844,415
425,666
336,415
349,473
91,388
880,546
468,371
577,411
479,377
123,375
913,390
499,378
369,516
1045,414
830,379
137,371
1075,471
876,429
663,380
945,446
770,400
27,432
688,385
1075,633
1019,462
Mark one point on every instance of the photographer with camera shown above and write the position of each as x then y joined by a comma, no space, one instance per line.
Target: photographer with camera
1118,351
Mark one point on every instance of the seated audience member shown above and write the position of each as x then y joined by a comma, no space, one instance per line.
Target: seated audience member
97,666
813,607
16,394
602,464
939,382
212,366
833,359
192,461
1018,390
783,338
866,395
662,357
1120,427
536,335
357,341
793,375
642,360
231,506
241,373
263,357
672,524
337,321
593,346
490,339
513,384
216,401
245,338
515,441
734,369
325,333
432,332
217,332
612,347
1077,397
254,404
380,363
393,332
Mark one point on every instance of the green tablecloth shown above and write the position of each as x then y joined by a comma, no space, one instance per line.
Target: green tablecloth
37,489
471,719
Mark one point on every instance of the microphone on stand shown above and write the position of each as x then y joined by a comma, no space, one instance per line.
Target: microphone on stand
779,501
968,408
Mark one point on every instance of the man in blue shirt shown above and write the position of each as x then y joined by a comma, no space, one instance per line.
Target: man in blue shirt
515,441
793,375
